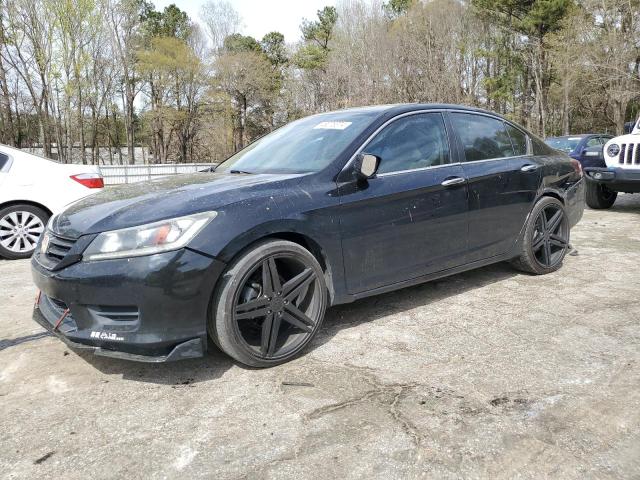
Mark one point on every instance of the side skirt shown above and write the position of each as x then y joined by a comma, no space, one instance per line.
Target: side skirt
429,277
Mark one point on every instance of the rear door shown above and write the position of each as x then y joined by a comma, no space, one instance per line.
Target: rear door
410,219
503,177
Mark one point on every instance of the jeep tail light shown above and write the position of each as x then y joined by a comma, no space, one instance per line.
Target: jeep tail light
577,166
89,180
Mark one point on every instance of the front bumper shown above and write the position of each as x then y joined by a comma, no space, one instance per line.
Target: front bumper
617,179
151,308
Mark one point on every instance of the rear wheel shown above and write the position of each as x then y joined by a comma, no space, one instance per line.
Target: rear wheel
20,229
599,197
546,238
269,305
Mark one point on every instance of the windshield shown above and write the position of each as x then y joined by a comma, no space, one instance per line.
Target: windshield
303,146
566,144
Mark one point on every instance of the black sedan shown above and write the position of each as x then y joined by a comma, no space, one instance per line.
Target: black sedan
325,210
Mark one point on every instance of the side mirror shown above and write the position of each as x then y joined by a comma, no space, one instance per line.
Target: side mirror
595,151
366,166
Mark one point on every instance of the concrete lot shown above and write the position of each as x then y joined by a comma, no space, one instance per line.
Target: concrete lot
488,374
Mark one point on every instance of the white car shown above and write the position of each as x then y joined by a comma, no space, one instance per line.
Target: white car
32,188
621,156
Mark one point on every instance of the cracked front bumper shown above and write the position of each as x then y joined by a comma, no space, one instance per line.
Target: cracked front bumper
151,309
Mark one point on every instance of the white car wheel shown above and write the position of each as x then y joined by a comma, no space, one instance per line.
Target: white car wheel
20,229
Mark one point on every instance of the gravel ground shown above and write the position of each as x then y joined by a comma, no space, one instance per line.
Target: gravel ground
487,374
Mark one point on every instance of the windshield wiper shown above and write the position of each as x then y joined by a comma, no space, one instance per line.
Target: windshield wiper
240,171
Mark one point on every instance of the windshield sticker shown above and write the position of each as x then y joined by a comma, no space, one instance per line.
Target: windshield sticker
575,138
332,125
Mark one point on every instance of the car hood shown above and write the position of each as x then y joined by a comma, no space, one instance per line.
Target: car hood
169,197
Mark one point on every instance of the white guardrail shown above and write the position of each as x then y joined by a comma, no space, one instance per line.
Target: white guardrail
120,174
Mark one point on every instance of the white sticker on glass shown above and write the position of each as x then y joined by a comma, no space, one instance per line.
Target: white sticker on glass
332,125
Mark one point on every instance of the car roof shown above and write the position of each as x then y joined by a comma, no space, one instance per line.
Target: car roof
398,108
582,135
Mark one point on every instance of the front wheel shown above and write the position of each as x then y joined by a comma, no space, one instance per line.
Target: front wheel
599,197
269,304
546,238
20,229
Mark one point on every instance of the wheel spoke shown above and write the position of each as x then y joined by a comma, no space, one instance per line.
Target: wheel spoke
270,277
555,222
27,243
543,221
32,221
5,223
269,336
252,304
537,244
257,313
296,281
558,241
13,216
547,253
297,318
294,286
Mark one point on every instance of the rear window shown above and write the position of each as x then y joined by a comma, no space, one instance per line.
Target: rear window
4,162
518,138
483,138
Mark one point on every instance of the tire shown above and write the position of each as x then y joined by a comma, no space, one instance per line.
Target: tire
599,197
546,238
20,229
246,311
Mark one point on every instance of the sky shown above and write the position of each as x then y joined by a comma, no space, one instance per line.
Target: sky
262,16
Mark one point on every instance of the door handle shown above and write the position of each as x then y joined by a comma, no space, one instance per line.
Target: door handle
529,168
453,181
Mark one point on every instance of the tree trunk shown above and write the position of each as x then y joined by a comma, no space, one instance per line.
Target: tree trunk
619,111
565,105
8,131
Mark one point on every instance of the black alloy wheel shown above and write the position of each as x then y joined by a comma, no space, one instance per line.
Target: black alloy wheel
551,236
546,238
270,304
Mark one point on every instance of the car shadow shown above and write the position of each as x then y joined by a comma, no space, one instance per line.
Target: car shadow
181,373
373,308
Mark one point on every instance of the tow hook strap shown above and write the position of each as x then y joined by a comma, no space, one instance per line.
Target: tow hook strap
62,317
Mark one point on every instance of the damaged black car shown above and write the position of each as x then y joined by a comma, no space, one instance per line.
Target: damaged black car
325,210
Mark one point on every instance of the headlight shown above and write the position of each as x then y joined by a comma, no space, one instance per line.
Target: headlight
613,150
147,239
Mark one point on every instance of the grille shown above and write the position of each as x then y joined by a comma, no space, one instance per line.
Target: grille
116,313
58,305
58,247
629,154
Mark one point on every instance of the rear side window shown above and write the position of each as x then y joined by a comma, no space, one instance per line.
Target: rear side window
518,139
411,142
4,162
483,138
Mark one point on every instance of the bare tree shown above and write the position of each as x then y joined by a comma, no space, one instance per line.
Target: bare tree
221,20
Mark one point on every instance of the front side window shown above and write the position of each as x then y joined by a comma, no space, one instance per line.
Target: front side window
411,142
483,138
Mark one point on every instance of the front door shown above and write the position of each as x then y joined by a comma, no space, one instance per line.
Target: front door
503,177
410,219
